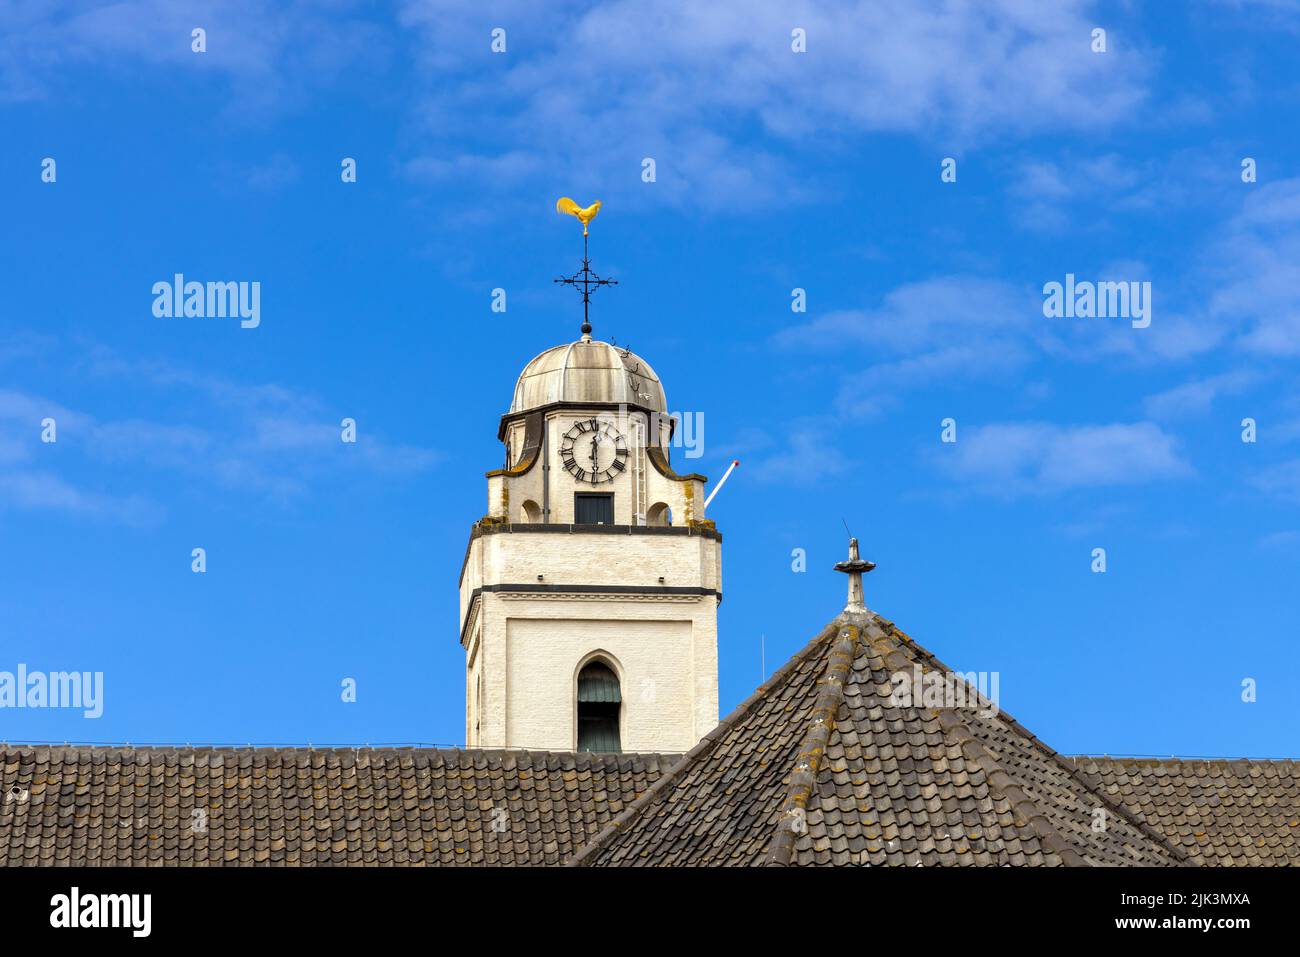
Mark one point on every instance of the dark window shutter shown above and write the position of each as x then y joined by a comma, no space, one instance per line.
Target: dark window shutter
598,685
591,508
599,703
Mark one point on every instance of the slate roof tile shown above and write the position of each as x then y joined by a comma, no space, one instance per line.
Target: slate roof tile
1242,813
289,806
855,777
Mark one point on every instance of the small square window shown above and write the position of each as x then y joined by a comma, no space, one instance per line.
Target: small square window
593,508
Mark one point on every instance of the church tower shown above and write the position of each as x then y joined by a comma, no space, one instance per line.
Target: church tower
589,593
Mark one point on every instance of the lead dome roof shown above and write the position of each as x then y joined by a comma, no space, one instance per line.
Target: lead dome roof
588,371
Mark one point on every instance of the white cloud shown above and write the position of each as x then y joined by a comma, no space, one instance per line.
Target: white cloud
23,409
587,90
1196,396
804,453
937,330
44,491
1258,261
717,98
265,440
1280,481
913,317
966,328
507,168
1239,292
1040,458
271,53
1283,539
1077,191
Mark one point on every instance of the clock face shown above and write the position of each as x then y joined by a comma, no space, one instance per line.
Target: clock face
593,451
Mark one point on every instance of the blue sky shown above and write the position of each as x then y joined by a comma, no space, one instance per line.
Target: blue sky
775,170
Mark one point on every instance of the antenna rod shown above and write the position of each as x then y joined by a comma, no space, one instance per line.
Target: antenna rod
718,488
586,287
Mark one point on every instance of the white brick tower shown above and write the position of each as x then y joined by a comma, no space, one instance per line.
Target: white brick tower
590,590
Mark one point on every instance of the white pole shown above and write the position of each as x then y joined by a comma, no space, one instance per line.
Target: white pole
718,488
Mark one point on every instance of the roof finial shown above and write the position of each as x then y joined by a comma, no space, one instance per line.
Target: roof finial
588,278
855,567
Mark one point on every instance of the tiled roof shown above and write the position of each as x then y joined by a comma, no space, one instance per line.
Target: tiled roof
820,766
203,806
1221,812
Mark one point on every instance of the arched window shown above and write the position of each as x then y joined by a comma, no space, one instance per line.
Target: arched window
599,702
530,513
659,515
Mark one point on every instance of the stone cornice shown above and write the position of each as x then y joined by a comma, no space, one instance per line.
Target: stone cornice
697,530
546,591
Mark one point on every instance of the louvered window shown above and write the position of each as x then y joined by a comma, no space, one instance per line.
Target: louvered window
599,703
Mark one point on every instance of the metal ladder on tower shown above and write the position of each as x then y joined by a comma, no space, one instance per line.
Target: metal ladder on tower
640,491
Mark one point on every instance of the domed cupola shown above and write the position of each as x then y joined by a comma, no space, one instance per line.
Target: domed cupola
588,372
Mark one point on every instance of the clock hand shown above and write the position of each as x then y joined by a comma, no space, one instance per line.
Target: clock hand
595,455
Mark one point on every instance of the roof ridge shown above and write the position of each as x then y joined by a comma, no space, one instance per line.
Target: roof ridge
1117,807
803,776
999,779
634,810
491,754
1176,759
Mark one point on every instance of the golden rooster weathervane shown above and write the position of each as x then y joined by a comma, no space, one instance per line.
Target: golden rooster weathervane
584,279
565,205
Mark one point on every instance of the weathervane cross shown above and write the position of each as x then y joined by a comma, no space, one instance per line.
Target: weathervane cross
584,280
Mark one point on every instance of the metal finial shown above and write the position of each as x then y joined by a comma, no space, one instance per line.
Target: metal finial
855,568
584,279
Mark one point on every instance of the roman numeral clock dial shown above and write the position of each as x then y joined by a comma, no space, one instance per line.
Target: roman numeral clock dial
593,451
